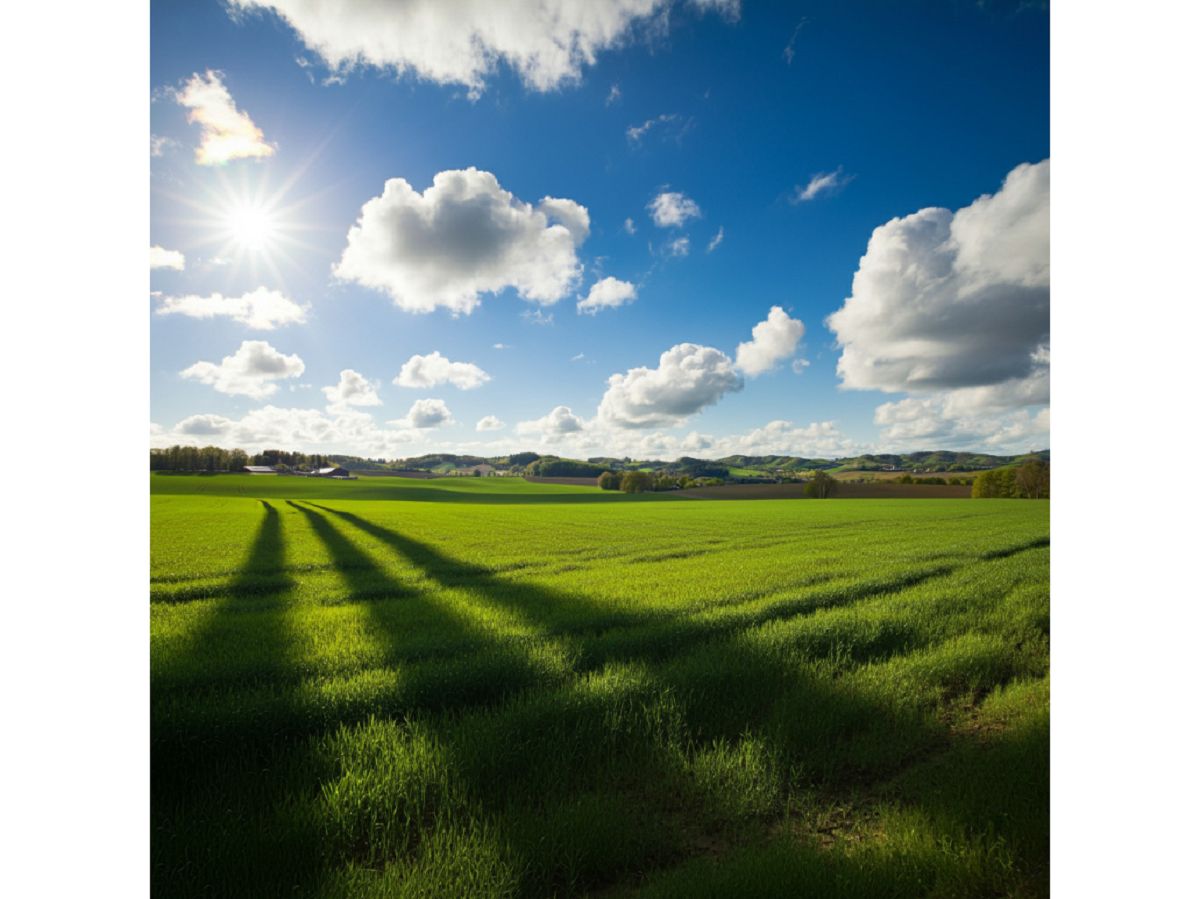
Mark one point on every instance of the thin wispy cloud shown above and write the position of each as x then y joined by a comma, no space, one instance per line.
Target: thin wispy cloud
159,144
636,132
789,52
680,246
716,240
669,125
820,183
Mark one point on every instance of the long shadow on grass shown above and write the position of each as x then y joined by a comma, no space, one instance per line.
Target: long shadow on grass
243,638
245,623
796,727
471,666
601,636
222,820
535,604
712,734
636,768
261,574
263,570
606,635
995,785
609,754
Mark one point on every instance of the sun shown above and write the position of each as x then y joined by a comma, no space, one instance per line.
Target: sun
248,227
252,227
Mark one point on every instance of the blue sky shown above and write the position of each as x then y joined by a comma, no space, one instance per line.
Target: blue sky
726,111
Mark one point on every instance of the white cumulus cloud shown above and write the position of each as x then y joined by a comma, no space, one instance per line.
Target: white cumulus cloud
607,293
304,430
773,340
489,423
1009,416
251,371
434,369
427,413
815,440
261,309
944,300
204,425
464,236
716,240
1031,390
559,422
352,389
160,258
226,132
547,42
933,422
688,378
671,209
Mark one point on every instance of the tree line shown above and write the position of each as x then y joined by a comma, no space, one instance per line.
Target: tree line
551,467
650,482
215,459
953,482
1031,480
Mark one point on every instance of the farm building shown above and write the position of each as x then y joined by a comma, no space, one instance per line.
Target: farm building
481,470
260,469
329,473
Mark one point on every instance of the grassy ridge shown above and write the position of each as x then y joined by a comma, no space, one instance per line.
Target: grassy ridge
444,490
380,697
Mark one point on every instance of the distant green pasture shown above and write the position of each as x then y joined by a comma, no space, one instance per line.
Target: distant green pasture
448,489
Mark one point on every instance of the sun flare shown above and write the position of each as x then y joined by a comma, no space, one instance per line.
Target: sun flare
248,226
252,227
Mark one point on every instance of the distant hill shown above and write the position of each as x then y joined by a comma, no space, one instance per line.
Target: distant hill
741,468
927,460
935,460
776,463
923,461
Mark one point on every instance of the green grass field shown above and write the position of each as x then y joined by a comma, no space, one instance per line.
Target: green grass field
484,687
